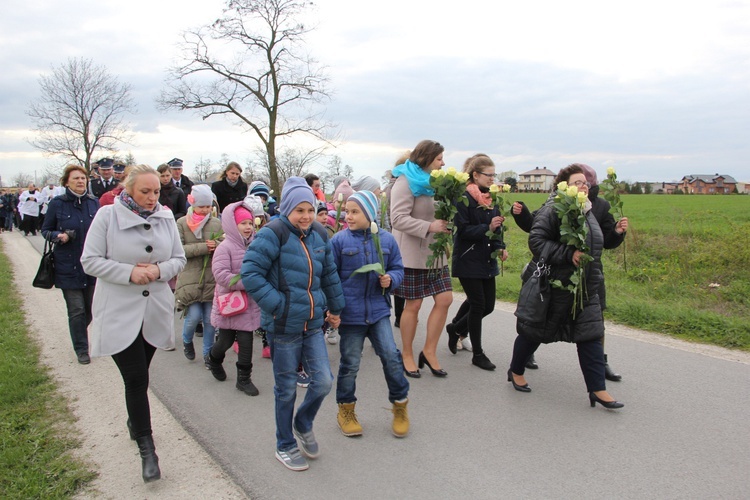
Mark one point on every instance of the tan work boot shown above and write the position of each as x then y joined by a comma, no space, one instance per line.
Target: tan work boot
347,420
400,419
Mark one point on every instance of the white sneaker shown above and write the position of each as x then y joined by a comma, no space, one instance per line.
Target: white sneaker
465,343
332,336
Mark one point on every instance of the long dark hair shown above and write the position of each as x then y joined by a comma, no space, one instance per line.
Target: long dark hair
425,153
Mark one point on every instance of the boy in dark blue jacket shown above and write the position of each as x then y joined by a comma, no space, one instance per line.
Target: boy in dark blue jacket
289,272
368,310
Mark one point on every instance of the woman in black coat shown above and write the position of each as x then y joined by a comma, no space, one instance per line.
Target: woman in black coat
230,187
587,327
67,222
472,262
170,195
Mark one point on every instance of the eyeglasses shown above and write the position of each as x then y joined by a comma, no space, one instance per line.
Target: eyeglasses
488,175
581,184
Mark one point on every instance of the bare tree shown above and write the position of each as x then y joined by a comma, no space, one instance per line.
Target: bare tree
290,162
129,159
334,169
81,109
269,85
203,170
22,180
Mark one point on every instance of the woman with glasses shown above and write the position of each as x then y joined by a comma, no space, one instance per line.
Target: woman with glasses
586,327
475,255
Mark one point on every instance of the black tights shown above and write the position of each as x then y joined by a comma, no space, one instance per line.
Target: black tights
225,341
480,301
133,364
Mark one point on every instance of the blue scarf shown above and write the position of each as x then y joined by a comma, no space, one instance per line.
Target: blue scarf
419,180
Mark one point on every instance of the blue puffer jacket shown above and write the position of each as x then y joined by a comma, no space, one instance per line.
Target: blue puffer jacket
292,277
69,212
365,301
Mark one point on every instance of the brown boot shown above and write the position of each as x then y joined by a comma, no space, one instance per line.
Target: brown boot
347,420
400,419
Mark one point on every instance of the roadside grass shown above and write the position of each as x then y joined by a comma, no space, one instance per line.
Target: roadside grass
678,249
36,425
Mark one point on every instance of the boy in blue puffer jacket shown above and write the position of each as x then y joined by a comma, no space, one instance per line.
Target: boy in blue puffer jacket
289,272
368,311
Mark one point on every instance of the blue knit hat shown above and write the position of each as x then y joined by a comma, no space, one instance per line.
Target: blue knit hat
368,202
260,189
296,191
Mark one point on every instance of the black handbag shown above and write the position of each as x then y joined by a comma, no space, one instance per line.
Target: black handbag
45,275
535,296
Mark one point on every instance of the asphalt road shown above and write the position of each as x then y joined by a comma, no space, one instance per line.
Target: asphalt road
682,434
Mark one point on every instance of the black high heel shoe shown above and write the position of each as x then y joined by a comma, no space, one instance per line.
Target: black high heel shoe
414,374
423,361
610,405
522,388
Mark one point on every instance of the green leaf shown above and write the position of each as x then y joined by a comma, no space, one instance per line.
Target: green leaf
235,279
376,267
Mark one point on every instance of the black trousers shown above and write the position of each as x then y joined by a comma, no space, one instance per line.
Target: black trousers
133,364
28,224
225,341
590,358
480,301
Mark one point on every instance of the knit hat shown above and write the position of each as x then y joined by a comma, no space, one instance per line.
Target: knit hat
368,202
345,189
259,189
590,174
241,213
322,207
254,204
296,191
366,183
201,195
338,180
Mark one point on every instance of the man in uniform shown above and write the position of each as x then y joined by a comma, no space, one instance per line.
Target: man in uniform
181,181
106,181
118,172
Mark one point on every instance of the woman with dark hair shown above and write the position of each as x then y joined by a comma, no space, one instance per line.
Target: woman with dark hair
134,249
584,328
67,222
473,263
171,196
230,187
414,224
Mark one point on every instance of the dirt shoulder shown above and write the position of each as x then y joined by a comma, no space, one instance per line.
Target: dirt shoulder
96,398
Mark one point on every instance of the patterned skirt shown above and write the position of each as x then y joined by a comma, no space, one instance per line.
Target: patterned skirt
421,283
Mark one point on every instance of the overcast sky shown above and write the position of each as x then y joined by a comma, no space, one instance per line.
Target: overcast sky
658,89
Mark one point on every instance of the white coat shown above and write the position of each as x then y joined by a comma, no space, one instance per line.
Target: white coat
117,240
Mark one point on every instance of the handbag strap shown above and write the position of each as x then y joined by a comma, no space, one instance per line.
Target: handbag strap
49,245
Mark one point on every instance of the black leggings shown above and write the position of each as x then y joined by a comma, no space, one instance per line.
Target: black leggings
133,364
480,301
225,341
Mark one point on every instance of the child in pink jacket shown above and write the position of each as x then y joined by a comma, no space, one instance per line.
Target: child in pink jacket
237,221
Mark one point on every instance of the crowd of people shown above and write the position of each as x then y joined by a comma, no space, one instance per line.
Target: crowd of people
142,243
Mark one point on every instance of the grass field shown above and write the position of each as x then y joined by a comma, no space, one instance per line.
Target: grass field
36,426
678,249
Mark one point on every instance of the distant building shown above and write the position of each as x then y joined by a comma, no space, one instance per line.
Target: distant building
663,187
539,179
708,184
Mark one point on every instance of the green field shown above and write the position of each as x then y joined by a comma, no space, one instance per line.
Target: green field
678,249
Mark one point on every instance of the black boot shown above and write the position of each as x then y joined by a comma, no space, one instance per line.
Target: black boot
244,383
149,460
452,338
609,374
217,370
531,363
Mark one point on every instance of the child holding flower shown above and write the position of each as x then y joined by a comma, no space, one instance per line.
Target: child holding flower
368,309
478,244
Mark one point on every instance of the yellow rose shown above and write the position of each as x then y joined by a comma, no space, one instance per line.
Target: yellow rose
435,173
582,197
506,188
611,171
494,188
463,177
451,171
572,191
562,186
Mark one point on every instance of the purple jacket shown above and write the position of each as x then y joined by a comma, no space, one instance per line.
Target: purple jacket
226,265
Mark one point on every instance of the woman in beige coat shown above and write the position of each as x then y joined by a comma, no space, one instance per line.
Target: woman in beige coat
133,249
194,293
414,224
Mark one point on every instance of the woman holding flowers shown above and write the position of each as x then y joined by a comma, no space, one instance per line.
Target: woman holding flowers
566,235
478,243
414,227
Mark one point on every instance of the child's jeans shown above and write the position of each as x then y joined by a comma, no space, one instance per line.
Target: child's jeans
196,312
288,350
351,343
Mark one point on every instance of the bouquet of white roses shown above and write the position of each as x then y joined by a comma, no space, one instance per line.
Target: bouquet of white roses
569,204
503,207
449,186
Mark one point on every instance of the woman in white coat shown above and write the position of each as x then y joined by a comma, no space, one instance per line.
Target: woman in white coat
133,249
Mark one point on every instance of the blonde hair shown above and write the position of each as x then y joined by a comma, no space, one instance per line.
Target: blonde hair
230,166
477,163
135,171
